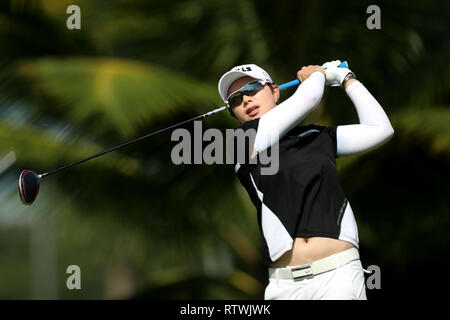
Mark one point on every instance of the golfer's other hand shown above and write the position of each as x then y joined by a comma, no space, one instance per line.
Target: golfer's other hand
306,71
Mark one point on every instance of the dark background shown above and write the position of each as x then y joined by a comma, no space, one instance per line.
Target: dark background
139,226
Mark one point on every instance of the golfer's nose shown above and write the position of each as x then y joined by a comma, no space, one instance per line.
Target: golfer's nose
247,99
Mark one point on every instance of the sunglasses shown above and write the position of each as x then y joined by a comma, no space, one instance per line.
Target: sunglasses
250,89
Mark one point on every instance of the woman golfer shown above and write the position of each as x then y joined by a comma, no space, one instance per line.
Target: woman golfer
310,237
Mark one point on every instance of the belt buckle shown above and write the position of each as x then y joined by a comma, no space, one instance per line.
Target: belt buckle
302,272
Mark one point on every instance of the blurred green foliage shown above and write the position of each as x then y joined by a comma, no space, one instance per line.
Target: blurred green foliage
141,227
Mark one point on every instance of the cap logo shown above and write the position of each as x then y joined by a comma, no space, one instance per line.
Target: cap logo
244,69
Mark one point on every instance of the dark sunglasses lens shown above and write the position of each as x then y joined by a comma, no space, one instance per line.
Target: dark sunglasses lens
235,100
250,93
250,89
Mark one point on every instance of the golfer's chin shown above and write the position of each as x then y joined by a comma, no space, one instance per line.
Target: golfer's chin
246,119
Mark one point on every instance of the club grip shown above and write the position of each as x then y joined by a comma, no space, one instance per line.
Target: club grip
296,82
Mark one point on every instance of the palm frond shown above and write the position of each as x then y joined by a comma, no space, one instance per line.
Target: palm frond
46,150
125,94
430,125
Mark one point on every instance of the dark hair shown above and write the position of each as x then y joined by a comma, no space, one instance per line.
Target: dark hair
231,112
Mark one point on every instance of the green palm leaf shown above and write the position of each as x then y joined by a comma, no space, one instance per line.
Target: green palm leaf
46,149
124,94
429,125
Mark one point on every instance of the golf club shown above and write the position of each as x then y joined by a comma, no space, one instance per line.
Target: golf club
29,181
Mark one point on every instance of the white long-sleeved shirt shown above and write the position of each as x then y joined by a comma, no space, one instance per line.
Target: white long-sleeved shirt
373,130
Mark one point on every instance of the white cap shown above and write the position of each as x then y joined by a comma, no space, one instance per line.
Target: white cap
251,70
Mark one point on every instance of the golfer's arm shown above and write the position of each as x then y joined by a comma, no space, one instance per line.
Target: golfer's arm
277,122
374,128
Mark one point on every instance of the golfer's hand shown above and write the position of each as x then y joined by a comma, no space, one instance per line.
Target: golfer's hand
334,75
306,71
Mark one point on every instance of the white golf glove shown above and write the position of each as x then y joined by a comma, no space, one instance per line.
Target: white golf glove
334,75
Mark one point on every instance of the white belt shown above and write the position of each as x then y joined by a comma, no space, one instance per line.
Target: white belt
316,267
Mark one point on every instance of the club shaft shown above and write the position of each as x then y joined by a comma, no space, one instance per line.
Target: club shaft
133,141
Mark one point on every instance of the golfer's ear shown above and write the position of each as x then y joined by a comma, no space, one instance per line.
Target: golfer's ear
276,92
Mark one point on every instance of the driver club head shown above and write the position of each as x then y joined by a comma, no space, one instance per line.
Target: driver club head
28,186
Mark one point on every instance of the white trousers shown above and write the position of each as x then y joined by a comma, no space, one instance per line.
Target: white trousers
344,283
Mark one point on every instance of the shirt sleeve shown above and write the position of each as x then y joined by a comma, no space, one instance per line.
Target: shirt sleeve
374,128
277,122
